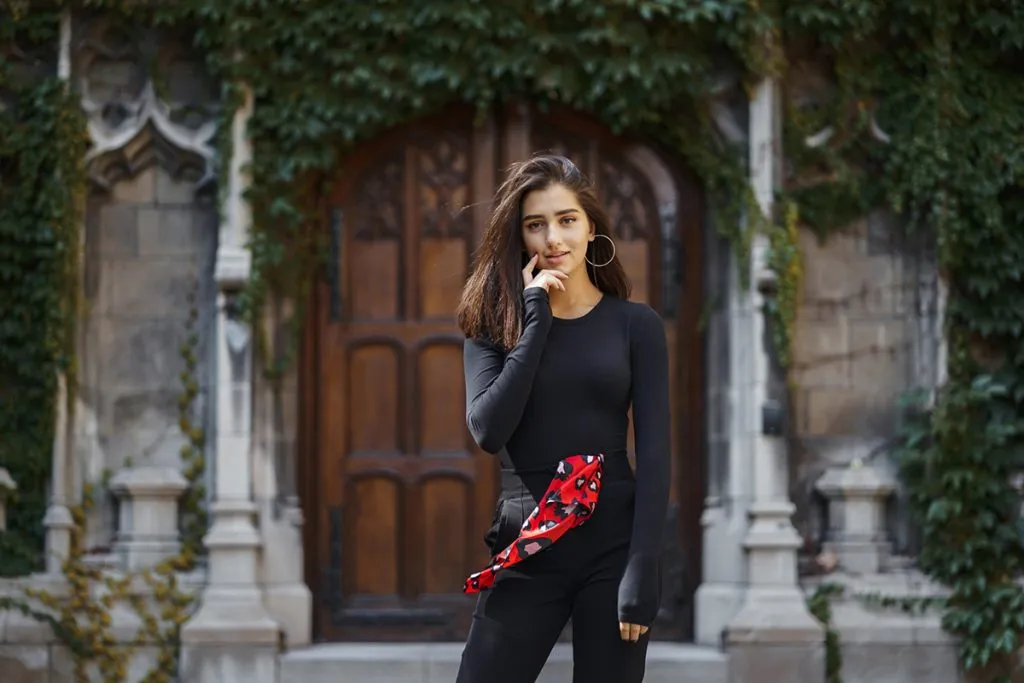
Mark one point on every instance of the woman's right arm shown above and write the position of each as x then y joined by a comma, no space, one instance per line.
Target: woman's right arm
498,385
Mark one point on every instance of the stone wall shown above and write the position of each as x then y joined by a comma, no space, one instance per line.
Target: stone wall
149,250
30,652
865,335
151,231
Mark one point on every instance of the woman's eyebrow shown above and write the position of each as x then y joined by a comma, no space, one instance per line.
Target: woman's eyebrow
557,213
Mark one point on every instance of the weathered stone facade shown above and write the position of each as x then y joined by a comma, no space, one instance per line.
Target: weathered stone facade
150,249
867,333
867,330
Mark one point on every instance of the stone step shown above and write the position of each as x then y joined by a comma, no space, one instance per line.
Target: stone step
439,663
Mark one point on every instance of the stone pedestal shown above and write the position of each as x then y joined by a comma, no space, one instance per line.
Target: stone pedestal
148,521
857,495
774,637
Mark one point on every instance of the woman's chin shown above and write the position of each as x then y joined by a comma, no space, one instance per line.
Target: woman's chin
562,265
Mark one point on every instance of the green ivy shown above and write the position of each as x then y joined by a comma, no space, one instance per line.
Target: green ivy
327,77
820,606
942,79
42,150
785,261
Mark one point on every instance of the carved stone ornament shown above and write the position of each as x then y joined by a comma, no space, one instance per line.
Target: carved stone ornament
148,100
727,105
810,85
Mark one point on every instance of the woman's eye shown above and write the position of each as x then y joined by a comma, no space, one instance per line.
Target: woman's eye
569,219
535,226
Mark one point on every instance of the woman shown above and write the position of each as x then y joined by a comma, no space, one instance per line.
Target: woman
555,356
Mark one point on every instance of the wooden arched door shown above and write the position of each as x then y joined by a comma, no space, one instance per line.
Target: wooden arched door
397,495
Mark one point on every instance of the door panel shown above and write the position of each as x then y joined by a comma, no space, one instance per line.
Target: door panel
405,494
398,497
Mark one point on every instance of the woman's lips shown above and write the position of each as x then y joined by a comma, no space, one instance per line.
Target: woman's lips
556,257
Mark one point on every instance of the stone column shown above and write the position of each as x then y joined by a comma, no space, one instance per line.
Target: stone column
285,593
725,518
232,636
773,637
58,521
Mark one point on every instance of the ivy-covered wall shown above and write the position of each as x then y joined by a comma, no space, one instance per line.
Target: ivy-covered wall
867,330
921,112
42,146
150,233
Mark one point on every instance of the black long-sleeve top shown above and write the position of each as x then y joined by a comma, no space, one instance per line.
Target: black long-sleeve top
566,388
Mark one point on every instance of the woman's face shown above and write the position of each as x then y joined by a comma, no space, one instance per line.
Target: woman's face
556,227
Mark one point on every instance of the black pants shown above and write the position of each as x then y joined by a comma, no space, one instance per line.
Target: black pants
518,621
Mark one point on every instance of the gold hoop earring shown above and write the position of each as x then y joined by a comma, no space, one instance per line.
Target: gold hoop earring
610,258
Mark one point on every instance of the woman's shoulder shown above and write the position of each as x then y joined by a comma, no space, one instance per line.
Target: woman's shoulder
634,312
639,322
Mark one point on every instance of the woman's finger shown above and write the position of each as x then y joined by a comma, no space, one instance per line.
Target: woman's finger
550,280
528,269
632,632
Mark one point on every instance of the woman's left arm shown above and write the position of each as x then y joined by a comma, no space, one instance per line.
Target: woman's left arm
639,588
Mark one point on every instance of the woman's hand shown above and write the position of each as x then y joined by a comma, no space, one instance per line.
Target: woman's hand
545,279
631,632
638,596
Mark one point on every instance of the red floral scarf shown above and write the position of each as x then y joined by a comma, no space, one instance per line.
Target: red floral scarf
569,501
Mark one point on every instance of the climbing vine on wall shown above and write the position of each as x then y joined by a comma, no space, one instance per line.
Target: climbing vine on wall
43,144
42,151
82,618
784,260
327,76
927,120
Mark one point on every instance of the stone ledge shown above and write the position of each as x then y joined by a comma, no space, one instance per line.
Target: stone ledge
439,662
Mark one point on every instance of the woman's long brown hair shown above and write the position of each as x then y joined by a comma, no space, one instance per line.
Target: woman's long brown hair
492,300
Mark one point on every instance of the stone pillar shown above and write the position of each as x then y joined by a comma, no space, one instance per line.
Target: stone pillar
58,521
857,495
148,529
726,515
729,369
773,637
282,577
288,598
232,636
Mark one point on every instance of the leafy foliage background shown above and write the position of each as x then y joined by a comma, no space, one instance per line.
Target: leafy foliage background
941,78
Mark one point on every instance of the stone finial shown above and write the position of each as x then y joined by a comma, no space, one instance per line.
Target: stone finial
857,494
7,487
